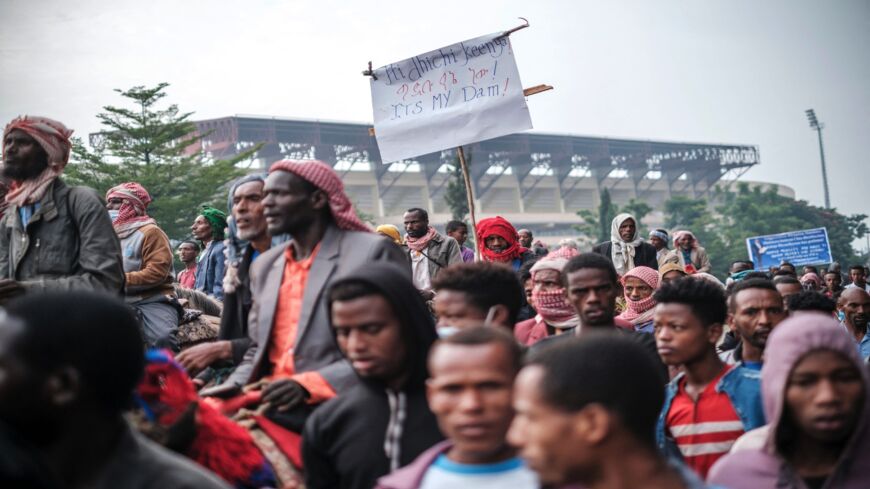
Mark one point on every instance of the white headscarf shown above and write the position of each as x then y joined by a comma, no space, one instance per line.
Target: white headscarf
622,253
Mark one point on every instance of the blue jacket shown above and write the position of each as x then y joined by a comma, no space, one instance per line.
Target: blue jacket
743,388
210,270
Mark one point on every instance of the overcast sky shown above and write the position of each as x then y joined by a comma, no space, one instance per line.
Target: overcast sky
731,71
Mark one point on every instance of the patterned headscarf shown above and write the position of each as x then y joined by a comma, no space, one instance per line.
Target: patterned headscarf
622,254
551,305
54,139
324,177
498,226
640,312
132,214
217,219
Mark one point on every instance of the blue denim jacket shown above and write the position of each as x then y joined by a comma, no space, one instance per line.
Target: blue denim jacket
743,388
210,271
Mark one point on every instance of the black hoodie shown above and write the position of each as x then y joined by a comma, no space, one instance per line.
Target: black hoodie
345,442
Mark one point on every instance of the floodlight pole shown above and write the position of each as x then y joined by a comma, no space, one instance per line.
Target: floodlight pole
818,126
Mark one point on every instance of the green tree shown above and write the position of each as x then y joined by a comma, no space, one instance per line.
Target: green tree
158,147
456,194
596,224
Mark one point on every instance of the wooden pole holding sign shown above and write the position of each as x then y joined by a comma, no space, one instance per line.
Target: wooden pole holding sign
405,85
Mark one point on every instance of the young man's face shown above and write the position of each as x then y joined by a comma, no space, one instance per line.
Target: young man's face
858,277
469,391
186,253
681,337
370,336
23,157
788,290
755,312
824,397
546,436
833,281
593,294
452,308
460,234
546,280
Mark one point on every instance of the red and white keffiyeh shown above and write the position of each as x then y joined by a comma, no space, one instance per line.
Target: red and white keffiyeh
54,138
132,214
322,176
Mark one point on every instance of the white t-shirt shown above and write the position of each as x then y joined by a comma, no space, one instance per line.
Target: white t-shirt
866,287
510,474
420,271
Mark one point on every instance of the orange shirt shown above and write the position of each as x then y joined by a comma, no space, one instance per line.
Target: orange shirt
286,326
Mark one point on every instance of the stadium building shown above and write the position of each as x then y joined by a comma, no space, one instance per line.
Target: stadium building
535,180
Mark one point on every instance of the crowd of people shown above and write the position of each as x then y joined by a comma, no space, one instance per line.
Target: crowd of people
299,347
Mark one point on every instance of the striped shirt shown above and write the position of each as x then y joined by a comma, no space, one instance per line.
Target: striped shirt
704,429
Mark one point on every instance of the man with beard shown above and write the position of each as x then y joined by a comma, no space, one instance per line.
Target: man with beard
498,241
187,251
626,249
754,309
384,329
54,237
855,305
430,252
233,341
292,349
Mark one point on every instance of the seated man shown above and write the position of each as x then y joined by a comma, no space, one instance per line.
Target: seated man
292,348
586,410
246,196
70,363
54,237
474,294
147,264
384,329
187,251
710,404
815,388
472,376
209,228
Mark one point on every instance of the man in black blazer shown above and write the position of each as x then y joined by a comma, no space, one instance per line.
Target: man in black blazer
626,249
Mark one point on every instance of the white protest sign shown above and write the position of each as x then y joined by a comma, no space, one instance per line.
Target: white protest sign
456,95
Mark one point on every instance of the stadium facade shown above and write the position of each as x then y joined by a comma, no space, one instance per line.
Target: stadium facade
535,180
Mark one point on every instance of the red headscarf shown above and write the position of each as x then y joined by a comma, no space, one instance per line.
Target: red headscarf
132,214
324,177
54,139
498,226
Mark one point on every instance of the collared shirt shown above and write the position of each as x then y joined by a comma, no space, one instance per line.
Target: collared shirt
704,428
286,326
420,271
187,277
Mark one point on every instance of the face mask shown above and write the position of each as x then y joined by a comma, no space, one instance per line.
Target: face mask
113,214
445,331
841,316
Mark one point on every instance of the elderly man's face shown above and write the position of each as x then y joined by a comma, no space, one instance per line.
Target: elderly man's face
248,211
23,157
627,230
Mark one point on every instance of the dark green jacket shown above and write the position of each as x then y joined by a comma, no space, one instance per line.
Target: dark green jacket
69,244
